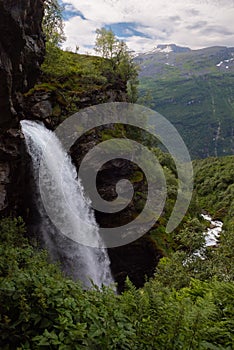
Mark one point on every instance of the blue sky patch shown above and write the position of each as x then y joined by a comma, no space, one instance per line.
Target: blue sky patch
126,29
70,11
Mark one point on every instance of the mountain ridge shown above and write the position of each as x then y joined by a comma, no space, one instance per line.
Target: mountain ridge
179,56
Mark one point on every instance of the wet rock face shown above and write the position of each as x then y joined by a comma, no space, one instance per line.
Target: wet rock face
136,260
11,171
22,50
21,53
4,176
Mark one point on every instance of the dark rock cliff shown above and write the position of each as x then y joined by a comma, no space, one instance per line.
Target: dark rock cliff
22,50
21,54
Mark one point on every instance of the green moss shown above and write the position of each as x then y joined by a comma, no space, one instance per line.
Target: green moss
114,131
137,177
46,87
105,135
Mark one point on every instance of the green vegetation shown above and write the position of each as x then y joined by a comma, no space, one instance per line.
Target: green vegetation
73,81
188,304
42,309
214,185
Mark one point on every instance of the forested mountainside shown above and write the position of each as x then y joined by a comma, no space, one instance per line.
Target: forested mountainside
194,90
173,291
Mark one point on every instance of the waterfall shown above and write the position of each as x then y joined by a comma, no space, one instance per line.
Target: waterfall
65,197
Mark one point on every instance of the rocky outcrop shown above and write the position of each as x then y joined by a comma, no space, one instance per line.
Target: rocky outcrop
51,103
22,51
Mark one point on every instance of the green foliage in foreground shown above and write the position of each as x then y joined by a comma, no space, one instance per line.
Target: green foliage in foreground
42,309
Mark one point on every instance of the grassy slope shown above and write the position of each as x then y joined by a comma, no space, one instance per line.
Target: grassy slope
72,81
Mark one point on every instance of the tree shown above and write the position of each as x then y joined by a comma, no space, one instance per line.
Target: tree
53,22
120,58
106,43
52,25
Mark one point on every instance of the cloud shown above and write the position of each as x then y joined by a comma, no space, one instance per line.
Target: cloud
80,33
193,12
197,25
175,18
217,30
144,24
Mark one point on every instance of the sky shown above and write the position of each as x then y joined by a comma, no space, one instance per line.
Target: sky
144,24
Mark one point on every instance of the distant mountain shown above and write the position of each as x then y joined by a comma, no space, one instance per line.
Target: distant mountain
166,48
194,90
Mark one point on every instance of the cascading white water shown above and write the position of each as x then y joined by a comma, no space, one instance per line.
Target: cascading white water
213,233
66,198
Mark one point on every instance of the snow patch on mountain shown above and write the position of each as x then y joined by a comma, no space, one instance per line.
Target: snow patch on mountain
167,49
224,62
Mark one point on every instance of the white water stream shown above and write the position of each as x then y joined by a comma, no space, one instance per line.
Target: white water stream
65,197
212,234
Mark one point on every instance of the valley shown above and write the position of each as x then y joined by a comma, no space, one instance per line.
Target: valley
194,91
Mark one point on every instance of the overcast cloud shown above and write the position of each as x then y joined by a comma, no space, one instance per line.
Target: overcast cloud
144,24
